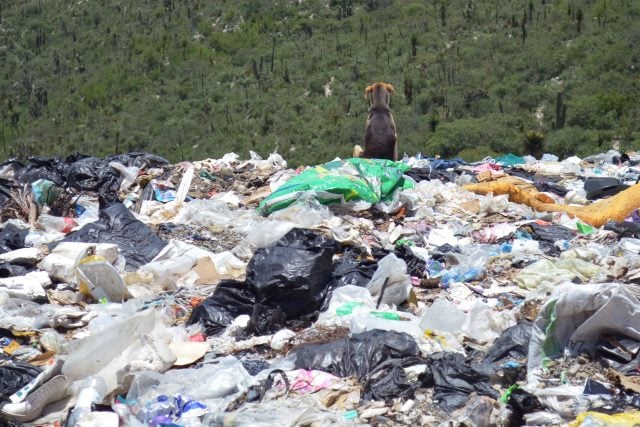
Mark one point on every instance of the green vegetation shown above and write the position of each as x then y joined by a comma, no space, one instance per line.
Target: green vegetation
192,79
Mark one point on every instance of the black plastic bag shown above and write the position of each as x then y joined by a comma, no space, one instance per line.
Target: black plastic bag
266,320
294,274
5,190
422,174
14,376
624,229
521,402
550,233
49,168
550,187
512,343
93,174
284,283
116,224
90,174
229,300
547,235
375,357
11,168
620,353
455,378
12,270
12,238
415,266
352,269
599,187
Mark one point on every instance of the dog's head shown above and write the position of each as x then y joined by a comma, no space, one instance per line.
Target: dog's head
379,94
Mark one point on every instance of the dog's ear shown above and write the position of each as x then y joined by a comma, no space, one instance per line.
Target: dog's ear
367,93
389,88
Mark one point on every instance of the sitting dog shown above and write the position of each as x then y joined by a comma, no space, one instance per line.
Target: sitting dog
380,139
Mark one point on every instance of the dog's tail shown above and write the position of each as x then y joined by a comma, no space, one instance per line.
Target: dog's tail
358,151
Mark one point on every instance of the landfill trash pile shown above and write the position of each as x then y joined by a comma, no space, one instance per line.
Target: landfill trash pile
357,292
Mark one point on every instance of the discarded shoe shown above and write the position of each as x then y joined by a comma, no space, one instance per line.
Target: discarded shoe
31,408
50,371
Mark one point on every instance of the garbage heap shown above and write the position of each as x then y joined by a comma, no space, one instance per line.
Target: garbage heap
240,292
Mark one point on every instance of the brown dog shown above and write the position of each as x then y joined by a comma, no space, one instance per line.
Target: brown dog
380,139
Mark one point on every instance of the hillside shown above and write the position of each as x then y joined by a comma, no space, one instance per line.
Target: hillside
194,78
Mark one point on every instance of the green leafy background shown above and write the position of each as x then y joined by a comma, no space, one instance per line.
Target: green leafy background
194,79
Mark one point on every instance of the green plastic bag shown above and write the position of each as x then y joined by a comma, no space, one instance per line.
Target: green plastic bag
340,181
45,192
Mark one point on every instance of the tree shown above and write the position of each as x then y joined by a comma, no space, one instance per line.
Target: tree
414,43
579,17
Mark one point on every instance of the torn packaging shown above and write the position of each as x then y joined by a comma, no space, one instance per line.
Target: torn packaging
375,357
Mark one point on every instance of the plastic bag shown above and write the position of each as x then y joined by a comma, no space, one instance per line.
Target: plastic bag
14,376
44,192
339,181
549,234
509,160
375,357
266,233
93,174
137,243
12,238
619,352
346,301
284,413
139,160
484,324
442,315
284,283
204,213
229,300
512,343
210,388
624,229
597,419
416,266
350,270
545,274
129,345
51,169
455,378
575,316
11,270
390,280
307,212
293,275
600,187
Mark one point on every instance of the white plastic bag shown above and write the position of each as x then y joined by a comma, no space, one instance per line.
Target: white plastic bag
576,315
392,270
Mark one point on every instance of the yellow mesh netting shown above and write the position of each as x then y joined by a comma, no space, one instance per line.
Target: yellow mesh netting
615,208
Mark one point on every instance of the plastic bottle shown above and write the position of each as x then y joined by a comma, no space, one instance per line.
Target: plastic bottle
92,391
56,223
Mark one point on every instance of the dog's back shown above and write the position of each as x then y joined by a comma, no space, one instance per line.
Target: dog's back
380,140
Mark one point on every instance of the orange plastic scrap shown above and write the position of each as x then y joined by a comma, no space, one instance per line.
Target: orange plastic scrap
615,208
